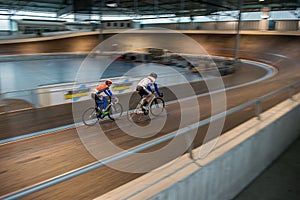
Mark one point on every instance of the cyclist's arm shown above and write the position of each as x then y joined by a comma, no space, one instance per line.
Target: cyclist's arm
156,89
108,93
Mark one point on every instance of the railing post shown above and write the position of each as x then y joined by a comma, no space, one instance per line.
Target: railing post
32,97
292,92
5,105
2,103
238,28
258,109
191,147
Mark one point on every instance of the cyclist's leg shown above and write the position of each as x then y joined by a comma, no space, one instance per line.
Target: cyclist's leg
104,104
144,96
148,99
98,103
140,103
141,93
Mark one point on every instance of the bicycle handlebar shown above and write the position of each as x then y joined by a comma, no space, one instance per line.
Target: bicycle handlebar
116,99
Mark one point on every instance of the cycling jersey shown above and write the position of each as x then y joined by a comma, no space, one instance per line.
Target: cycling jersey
103,88
146,84
100,100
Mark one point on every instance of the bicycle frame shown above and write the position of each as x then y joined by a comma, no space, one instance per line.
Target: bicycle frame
145,108
110,103
139,112
90,115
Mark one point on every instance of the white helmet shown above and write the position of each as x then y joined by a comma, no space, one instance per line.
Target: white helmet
154,75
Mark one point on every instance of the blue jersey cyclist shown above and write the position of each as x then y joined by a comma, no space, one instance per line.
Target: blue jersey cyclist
144,87
100,92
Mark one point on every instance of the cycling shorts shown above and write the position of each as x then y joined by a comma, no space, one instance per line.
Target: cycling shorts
141,91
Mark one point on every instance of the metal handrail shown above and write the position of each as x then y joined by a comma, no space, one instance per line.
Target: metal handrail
147,145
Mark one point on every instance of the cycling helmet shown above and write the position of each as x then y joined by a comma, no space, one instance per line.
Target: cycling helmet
154,75
108,82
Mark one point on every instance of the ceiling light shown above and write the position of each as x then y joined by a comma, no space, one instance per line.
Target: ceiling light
111,4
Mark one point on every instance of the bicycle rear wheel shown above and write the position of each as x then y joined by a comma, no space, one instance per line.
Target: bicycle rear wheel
115,111
134,114
157,106
89,117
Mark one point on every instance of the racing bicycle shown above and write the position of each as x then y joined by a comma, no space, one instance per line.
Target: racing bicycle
90,116
155,107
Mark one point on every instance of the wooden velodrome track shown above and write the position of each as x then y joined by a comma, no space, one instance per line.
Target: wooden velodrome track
27,162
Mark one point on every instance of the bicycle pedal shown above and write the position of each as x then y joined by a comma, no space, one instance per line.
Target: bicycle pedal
138,112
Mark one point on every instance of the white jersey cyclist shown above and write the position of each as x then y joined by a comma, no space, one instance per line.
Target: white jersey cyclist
144,87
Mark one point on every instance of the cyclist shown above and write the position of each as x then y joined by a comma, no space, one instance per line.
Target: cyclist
100,99
144,87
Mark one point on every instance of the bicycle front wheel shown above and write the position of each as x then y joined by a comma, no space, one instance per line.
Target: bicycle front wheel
115,111
157,106
89,116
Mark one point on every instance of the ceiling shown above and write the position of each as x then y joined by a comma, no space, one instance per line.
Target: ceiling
145,7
